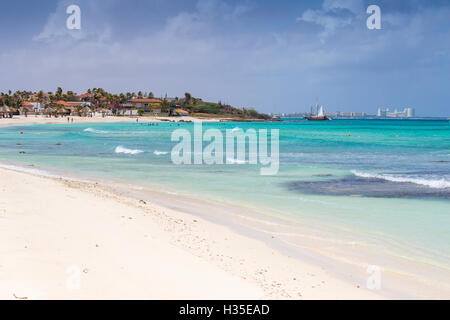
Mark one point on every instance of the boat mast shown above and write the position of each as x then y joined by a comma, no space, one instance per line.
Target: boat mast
317,105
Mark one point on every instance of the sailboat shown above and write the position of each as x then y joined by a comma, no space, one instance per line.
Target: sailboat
320,114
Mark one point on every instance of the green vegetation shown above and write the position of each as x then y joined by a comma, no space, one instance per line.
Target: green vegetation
225,110
197,106
99,99
207,107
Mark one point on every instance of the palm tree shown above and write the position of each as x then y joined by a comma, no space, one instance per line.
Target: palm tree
51,98
97,98
40,96
164,105
187,98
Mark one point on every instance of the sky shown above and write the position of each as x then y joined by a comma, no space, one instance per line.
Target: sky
274,56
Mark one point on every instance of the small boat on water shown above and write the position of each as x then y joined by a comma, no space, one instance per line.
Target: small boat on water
319,115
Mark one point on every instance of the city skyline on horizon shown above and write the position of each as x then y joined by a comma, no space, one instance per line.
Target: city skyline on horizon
381,113
328,111
275,57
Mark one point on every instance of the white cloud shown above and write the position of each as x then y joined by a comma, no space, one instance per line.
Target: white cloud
191,52
333,15
355,6
94,26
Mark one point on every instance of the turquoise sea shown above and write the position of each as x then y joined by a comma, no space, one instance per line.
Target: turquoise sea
361,192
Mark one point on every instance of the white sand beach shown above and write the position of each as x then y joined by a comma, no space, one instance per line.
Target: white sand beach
33,120
62,239
70,240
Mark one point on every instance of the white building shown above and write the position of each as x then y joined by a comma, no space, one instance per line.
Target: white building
38,106
410,112
382,113
386,113
353,114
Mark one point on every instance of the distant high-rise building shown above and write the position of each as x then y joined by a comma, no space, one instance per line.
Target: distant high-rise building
386,113
382,113
410,112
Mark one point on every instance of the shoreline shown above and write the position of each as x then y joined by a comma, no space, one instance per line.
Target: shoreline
266,229
249,268
189,208
253,269
36,120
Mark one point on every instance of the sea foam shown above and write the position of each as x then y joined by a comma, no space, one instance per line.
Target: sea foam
236,161
124,150
91,130
432,183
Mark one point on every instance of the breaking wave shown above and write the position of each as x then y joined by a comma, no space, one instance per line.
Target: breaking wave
432,183
236,161
121,149
94,130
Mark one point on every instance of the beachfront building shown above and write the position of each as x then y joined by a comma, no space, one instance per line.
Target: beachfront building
353,114
26,109
358,114
410,112
176,111
148,105
103,112
31,108
386,113
123,109
181,113
336,114
87,97
382,113
71,106
75,108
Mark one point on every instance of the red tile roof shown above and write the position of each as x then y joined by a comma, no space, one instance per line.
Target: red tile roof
27,104
146,100
86,95
69,104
